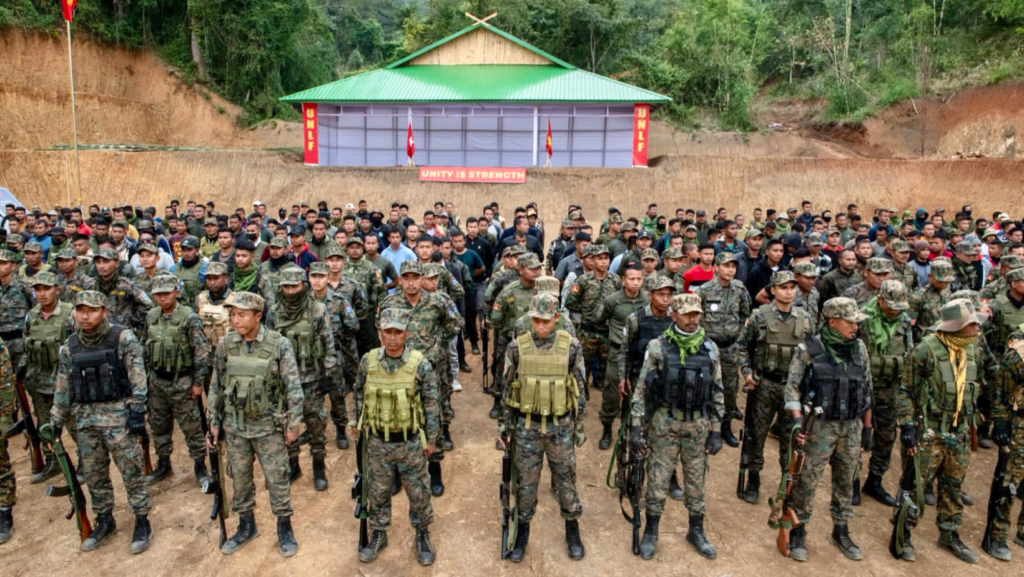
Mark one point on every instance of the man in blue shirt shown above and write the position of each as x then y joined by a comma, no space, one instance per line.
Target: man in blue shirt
397,252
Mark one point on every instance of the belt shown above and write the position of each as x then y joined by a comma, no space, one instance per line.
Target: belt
11,335
776,376
615,346
537,419
169,375
396,436
725,343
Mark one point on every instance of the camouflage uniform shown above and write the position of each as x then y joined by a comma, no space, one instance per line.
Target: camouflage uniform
966,274
811,301
127,304
354,294
15,301
273,276
927,301
614,310
997,285
78,282
725,311
545,284
1008,409
8,403
835,283
446,378
905,273
676,278
500,278
862,292
1007,315
629,357
344,324
368,276
585,298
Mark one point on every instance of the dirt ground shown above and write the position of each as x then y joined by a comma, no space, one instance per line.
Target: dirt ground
466,531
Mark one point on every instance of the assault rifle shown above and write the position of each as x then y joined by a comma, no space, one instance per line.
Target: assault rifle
147,461
909,503
484,341
214,484
79,507
360,488
629,474
745,434
27,425
782,516
1002,493
509,488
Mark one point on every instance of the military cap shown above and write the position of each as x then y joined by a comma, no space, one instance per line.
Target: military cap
66,253
702,212
843,308
942,270
246,300
150,247
990,232
879,265
644,234
628,226
354,239
297,230
672,252
805,269
59,231
216,268
692,227
319,267
513,250
615,218
145,225
211,220
245,244
566,223
333,249
781,216
547,284
281,242
164,283
93,299
752,233
895,294
1015,275
411,267
831,231
662,282
968,248
45,278
16,239
33,246
973,296
782,277
900,246
1012,261
107,254
725,257
649,254
596,249
529,260
587,251
544,306
957,314
576,215
814,239
189,242
432,270
686,303
614,210
292,276
394,318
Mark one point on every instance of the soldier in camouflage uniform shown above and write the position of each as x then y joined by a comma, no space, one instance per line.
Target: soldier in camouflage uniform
128,304
33,265
831,376
397,443
512,303
354,293
188,269
178,359
8,403
876,271
928,300
15,301
304,322
148,255
1007,310
937,406
770,336
363,271
997,285
245,275
109,418
989,360
807,295
256,396
680,400
844,276
672,259
725,305
432,325
585,297
548,285
279,261
543,357
504,274
1008,433
432,273
963,266
902,270
210,303
72,280
344,325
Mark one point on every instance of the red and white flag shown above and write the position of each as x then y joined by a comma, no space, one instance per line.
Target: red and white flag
67,8
410,144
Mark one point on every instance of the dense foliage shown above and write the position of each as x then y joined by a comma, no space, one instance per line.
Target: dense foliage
710,56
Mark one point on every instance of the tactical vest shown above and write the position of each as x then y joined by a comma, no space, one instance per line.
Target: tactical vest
940,405
168,350
309,349
1012,318
887,368
684,386
251,388
839,391
189,277
391,403
44,338
216,318
773,353
544,386
97,375
648,327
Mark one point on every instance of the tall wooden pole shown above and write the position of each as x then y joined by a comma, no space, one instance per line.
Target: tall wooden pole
74,118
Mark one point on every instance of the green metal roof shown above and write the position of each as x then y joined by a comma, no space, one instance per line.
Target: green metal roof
490,28
477,83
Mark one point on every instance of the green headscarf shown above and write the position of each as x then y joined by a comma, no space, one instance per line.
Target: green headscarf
687,344
880,326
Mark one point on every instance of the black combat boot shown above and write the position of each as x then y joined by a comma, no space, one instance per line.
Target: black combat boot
873,488
378,541
50,469
753,491
727,436
998,549
522,540
436,484
286,543
950,540
606,437
296,471
855,501
798,543
496,408
841,538
465,368
674,490
649,543
424,550
908,553
341,437
6,524
142,536
247,531
199,469
104,527
319,474
161,472
396,483
695,536
446,438
572,539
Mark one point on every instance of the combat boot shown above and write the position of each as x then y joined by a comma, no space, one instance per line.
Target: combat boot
674,490
572,539
649,543
341,438
1018,539
727,435
798,543
296,471
161,472
247,531
464,367
908,547
855,501
522,540
378,541
142,536
695,536
998,549
873,488
286,538
753,491
950,540
841,539
446,438
436,484
424,550
496,408
199,469
319,474
606,437
104,527
50,469
6,524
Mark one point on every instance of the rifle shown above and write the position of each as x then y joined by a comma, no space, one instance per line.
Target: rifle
509,488
782,516
629,475
73,490
745,433
214,484
1002,493
360,489
28,425
484,340
147,461
909,504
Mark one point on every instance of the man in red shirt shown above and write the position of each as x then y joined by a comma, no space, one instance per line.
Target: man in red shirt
703,272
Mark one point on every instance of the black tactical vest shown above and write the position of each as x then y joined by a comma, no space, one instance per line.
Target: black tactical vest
839,391
685,386
649,327
97,375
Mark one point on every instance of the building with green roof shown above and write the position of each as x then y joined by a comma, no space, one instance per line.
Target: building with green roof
480,98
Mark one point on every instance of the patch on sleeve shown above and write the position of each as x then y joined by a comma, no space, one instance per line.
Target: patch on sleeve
575,288
497,307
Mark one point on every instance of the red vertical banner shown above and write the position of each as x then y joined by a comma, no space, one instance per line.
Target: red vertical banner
641,127
310,144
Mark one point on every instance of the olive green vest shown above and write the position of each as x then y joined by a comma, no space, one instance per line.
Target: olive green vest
168,349
939,407
44,338
544,386
774,352
887,367
251,389
391,403
1013,317
189,277
216,318
309,349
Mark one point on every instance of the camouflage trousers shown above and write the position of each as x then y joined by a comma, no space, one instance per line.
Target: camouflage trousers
531,447
946,455
498,363
406,458
770,403
98,445
8,487
42,404
273,456
314,414
346,378
169,402
885,429
1015,473
672,441
730,379
445,379
595,356
611,401
836,443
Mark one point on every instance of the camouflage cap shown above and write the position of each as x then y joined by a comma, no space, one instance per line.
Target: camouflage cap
513,250
144,225
805,269
843,308
333,249
990,232
942,270
1012,261
628,226
588,251
319,267
394,318
566,223
33,246
968,248
529,260
411,267
661,282
354,239
900,246
782,277
246,300
686,303
752,233
15,239
895,294
106,254
649,254
690,227
211,221
879,265
615,218
148,247
973,296
216,269
45,278
281,242
832,231
725,257
66,253
957,314
672,252
1015,275
164,283
544,306
292,277
432,270
189,242
547,284
814,239
598,249
576,215
92,299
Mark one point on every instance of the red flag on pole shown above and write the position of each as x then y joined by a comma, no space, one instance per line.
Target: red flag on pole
67,7
410,144
547,145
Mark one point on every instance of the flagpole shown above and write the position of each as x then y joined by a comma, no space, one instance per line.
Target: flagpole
74,118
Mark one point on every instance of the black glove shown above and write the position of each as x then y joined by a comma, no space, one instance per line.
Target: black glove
908,436
323,387
714,443
636,440
1001,433
137,422
867,439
